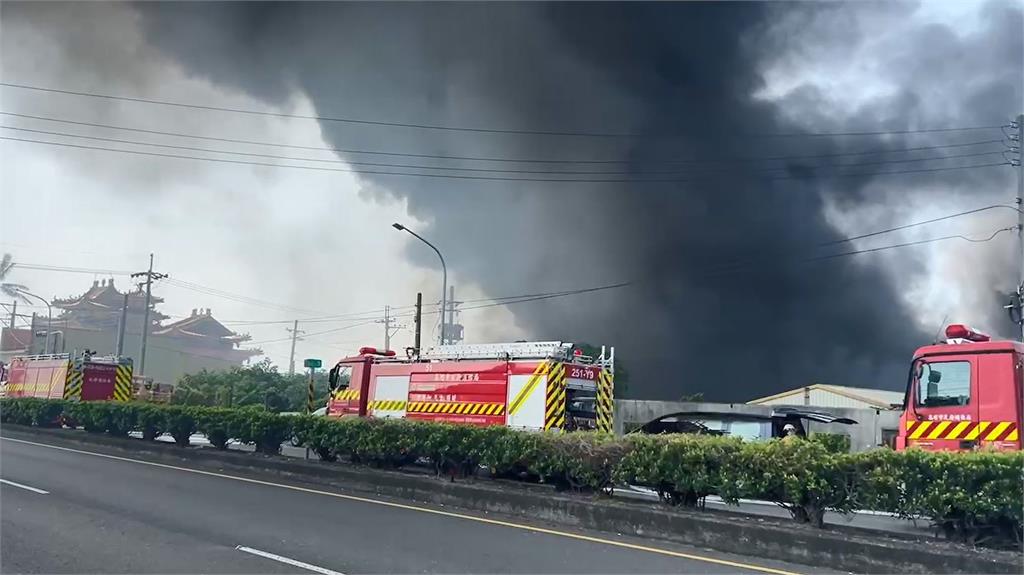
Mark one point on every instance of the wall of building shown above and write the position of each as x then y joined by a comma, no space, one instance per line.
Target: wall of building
873,427
817,397
164,362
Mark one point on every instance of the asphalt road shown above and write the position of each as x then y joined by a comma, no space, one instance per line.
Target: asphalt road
101,514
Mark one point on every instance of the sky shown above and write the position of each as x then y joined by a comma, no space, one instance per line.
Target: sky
720,299
295,239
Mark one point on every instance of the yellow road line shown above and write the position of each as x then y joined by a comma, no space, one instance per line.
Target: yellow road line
394,505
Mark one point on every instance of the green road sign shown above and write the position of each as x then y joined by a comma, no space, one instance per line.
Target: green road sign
313,363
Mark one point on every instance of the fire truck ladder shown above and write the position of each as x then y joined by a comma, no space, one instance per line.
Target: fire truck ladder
41,356
518,350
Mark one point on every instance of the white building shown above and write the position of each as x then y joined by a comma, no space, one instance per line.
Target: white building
822,395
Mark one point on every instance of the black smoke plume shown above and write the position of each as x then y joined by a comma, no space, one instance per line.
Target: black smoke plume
723,300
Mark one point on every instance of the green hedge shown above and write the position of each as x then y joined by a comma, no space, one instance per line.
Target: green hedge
974,497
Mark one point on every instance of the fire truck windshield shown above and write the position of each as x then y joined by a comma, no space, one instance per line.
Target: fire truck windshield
944,383
339,376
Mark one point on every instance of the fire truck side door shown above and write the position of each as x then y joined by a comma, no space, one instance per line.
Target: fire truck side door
997,401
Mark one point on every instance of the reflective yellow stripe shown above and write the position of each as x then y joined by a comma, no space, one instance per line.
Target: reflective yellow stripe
910,425
938,429
920,429
1012,436
960,427
982,425
527,389
997,431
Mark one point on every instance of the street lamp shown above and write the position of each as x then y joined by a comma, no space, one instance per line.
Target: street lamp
444,272
49,312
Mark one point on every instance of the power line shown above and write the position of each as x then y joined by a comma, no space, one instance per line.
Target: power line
315,333
323,319
494,170
502,159
914,243
68,269
173,283
235,297
419,126
486,178
620,285
916,224
525,298
744,262
514,300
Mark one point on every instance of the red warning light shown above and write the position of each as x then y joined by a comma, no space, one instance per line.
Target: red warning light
961,331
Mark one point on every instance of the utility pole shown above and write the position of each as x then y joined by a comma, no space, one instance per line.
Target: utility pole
387,327
121,325
1020,219
150,276
390,327
295,337
451,315
419,322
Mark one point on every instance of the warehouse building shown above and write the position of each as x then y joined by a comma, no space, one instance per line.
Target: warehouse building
823,395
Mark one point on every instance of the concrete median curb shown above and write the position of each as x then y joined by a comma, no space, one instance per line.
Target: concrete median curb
836,548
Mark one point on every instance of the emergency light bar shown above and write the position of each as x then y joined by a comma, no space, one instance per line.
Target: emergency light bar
961,331
375,351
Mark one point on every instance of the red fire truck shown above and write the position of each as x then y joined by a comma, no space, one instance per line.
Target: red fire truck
963,394
526,385
78,377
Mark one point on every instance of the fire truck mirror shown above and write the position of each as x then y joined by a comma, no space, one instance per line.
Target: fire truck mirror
332,378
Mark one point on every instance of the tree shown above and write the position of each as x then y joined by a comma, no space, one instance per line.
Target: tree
260,384
12,290
621,375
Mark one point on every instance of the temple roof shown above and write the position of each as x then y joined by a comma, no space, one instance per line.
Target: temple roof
103,295
201,324
104,298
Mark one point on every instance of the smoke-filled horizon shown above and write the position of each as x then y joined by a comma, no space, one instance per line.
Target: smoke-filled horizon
723,299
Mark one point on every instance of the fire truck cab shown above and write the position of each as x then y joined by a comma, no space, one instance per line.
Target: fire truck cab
964,394
526,385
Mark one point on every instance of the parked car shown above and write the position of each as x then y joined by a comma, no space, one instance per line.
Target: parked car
318,413
781,421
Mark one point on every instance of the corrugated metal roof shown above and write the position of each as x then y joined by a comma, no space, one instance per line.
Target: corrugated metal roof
878,398
888,396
